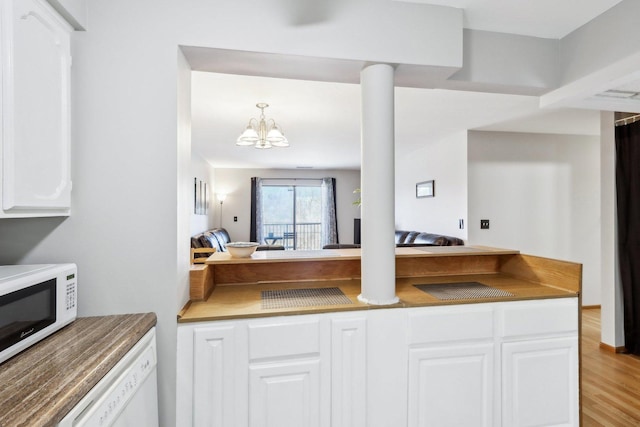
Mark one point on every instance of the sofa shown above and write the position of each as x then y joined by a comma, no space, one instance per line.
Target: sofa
417,238
215,240
411,239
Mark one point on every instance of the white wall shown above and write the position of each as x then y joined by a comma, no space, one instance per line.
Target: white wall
202,170
612,314
236,183
184,181
444,161
541,194
127,231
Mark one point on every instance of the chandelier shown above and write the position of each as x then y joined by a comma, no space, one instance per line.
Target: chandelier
262,133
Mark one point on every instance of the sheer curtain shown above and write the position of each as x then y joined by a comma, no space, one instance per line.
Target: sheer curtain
628,198
329,217
255,234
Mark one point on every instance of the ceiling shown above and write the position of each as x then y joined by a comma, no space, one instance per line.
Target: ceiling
322,119
551,19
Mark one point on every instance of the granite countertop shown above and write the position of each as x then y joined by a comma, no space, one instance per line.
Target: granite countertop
43,383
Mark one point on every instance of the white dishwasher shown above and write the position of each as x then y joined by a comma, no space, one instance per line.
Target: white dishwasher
126,396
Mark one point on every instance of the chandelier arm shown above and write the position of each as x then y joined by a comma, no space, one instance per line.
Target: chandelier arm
271,124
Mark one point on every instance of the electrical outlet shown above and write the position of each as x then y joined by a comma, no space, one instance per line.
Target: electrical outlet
461,224
484,224
235,219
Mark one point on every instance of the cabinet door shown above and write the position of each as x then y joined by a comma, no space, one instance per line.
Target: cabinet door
348,371
285,394
540,382
288,384
214,369
451,385
35,108
451,366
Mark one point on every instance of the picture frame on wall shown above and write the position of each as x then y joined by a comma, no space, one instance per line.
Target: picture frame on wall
425,189
200,197
196,199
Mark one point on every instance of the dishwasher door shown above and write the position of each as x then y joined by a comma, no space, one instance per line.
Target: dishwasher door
126,396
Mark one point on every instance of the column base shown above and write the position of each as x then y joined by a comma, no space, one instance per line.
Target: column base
370,301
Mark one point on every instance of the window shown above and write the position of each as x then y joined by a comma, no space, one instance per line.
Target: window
293,213
298,214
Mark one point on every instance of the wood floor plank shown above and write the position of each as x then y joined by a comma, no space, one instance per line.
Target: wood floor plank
610,381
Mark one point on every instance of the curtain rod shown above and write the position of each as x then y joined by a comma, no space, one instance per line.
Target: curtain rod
625,121
293,179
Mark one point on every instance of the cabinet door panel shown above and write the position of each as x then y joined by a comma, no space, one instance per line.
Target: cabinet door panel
36,172
214,359
540,317
348,372
285,394
453,324
451,386
540,382
275,338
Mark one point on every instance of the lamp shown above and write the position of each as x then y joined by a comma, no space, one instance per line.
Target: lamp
221,198
262,133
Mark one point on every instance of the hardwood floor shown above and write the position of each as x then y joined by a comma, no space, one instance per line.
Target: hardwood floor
610,382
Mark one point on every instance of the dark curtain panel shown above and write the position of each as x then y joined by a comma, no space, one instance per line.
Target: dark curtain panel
335,209
253,232
628,195
329,221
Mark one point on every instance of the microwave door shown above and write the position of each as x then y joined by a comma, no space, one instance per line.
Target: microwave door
26,311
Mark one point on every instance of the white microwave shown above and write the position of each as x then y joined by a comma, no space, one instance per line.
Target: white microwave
35,301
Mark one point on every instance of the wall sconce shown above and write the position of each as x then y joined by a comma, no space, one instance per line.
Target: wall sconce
221,198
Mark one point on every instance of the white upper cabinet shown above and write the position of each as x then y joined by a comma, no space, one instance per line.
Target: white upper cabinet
35,144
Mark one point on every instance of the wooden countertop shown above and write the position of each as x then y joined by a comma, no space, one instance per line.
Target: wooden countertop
43,383
244,301
222,258
230,288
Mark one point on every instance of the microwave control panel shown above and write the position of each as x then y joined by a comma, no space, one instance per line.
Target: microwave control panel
71,292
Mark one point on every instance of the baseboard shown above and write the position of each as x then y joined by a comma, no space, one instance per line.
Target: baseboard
613,349
590,307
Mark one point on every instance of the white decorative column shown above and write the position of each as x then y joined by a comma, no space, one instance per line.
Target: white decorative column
378,262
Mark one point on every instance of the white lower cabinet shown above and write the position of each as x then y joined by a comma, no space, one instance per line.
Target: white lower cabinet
348,371
540,363
539,382
285,393
451,386
287,383
451,366
495,364
215,355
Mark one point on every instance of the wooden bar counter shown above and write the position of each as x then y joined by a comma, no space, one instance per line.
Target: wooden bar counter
230,288
480,336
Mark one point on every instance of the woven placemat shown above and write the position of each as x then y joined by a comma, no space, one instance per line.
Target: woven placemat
306,297
464,290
